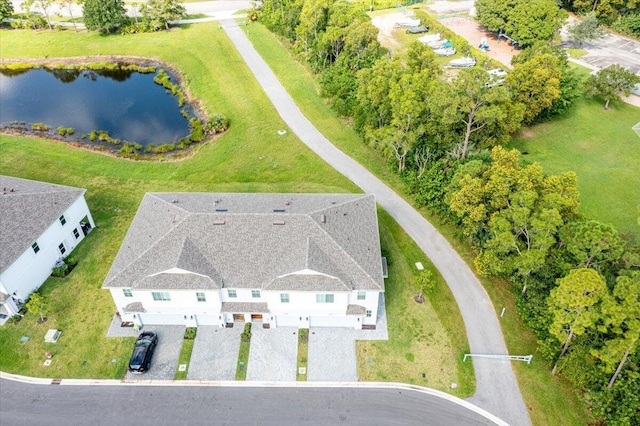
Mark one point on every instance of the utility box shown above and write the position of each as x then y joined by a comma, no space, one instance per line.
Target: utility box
52,335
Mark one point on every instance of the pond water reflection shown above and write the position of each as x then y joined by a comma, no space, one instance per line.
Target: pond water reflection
127,104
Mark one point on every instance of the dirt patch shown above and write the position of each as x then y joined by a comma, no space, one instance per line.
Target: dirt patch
387,24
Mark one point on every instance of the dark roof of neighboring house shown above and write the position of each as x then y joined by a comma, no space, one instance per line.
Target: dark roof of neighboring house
28,208
292,242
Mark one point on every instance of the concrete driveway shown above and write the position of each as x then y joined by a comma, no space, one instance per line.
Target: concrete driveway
332,355
165,358
273,354
215,353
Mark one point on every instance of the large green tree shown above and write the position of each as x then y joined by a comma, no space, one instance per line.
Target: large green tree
6,9
158,13
587,29
611,82
103,15
622,314
525,21
472,103
592,243
575,306
536,84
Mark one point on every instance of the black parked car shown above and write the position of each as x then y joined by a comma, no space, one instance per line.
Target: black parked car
417,30
142,352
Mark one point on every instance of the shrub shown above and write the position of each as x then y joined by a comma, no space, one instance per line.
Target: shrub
62,131
40,127
246,334
190,333
92,136
218,123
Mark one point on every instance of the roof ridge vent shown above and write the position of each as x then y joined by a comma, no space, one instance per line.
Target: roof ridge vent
221,210
279,210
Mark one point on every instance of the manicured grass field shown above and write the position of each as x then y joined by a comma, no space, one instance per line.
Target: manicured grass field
600,146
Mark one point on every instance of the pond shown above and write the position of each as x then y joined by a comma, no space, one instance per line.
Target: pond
126,104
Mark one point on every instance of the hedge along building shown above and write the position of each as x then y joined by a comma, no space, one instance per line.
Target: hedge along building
40,223
284,259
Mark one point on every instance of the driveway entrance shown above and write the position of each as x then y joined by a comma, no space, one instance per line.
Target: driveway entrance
332,355
215,353
164,362
273,354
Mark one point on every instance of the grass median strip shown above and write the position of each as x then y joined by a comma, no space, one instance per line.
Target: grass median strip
243,353
185,353
303,354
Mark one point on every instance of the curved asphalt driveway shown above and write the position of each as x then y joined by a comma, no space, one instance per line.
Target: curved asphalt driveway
87,402
496,386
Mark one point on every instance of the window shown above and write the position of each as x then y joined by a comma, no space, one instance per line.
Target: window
255,294
324,298
201,297
362,295
368,313
284,297
232,294
62,220
35,247
161,295
76,234
62,248
127,292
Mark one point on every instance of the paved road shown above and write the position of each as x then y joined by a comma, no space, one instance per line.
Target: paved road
497,388
52,405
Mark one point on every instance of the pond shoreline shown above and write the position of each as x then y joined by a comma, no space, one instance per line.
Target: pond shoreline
86,62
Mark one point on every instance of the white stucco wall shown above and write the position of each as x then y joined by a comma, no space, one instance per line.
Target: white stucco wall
30,270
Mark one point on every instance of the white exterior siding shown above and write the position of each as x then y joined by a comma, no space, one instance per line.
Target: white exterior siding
27,273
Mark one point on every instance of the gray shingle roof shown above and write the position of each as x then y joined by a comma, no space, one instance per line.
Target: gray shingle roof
134,307
28,208
356,310
239,241
235,307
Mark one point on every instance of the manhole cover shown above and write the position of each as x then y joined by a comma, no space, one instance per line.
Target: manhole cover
343,417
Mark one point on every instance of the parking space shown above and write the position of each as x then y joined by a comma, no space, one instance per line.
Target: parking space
332,355
215,353
273,354
165,358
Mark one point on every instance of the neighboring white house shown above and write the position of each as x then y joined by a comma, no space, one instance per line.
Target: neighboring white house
284,259
39,223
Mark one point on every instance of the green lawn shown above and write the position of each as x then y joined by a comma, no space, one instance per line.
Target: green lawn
601,148
424,339
243,360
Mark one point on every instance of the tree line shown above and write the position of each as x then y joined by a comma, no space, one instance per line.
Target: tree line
576,281
98,15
